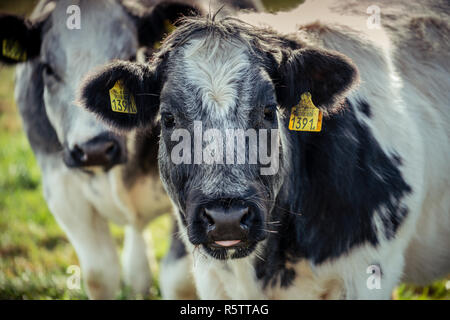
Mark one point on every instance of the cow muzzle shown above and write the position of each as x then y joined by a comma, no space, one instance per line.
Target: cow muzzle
102,151
227,228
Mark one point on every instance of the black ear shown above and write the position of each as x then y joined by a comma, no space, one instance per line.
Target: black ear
20,40
327,75
123,94
152,23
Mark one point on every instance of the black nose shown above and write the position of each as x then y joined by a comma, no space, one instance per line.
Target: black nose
100,151
227,225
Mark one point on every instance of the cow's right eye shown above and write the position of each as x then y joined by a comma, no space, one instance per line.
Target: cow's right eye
50,76
270,113
168,120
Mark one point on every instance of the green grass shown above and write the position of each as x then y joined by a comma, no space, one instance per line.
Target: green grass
34,252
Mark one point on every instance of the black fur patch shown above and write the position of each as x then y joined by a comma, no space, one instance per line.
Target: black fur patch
339,178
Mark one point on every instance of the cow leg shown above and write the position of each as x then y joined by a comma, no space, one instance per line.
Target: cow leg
136,269
87,231
175,278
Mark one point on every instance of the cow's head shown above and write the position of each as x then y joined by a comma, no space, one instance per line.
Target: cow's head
208,78
61,43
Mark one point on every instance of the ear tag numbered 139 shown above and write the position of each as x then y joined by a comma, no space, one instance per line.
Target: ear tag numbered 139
305,116
13,50
121,99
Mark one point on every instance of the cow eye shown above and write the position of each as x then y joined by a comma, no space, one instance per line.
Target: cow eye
50,76
270,112
168,120
48,70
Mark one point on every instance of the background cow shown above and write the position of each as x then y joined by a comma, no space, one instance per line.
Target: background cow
367,192
91,174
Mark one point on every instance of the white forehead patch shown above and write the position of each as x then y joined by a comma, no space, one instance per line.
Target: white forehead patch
214,67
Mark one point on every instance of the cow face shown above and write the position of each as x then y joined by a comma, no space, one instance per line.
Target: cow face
211,83
63,55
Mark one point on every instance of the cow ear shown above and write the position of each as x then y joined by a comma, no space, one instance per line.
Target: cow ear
327,75
155,22
20,40
123,94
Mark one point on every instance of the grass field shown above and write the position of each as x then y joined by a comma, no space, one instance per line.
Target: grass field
34,252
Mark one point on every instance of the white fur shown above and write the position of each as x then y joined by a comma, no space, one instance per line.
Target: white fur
214,67
176,279
86,229
135,264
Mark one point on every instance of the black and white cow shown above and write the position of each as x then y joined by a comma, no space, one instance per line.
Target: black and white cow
368,193
91,174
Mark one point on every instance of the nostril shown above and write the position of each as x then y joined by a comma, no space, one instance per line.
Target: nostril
78,153
245,219
207,218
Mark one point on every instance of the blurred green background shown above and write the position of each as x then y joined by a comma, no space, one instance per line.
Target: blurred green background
34,252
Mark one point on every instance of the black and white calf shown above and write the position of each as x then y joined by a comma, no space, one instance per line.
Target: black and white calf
91,175
370,191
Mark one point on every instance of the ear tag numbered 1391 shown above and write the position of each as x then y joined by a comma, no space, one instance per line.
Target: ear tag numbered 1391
121,99
305,116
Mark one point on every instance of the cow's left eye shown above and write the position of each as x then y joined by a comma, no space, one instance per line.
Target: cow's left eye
168,120
270,112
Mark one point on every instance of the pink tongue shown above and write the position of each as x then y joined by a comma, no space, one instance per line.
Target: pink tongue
227,243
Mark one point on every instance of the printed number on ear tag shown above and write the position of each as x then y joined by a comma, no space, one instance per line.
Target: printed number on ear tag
305,116
13,50
121,99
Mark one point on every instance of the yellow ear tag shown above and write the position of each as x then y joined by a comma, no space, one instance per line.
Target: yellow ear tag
13,50
305,116
121,99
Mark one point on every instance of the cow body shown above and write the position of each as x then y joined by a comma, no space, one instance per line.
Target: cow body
363,201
